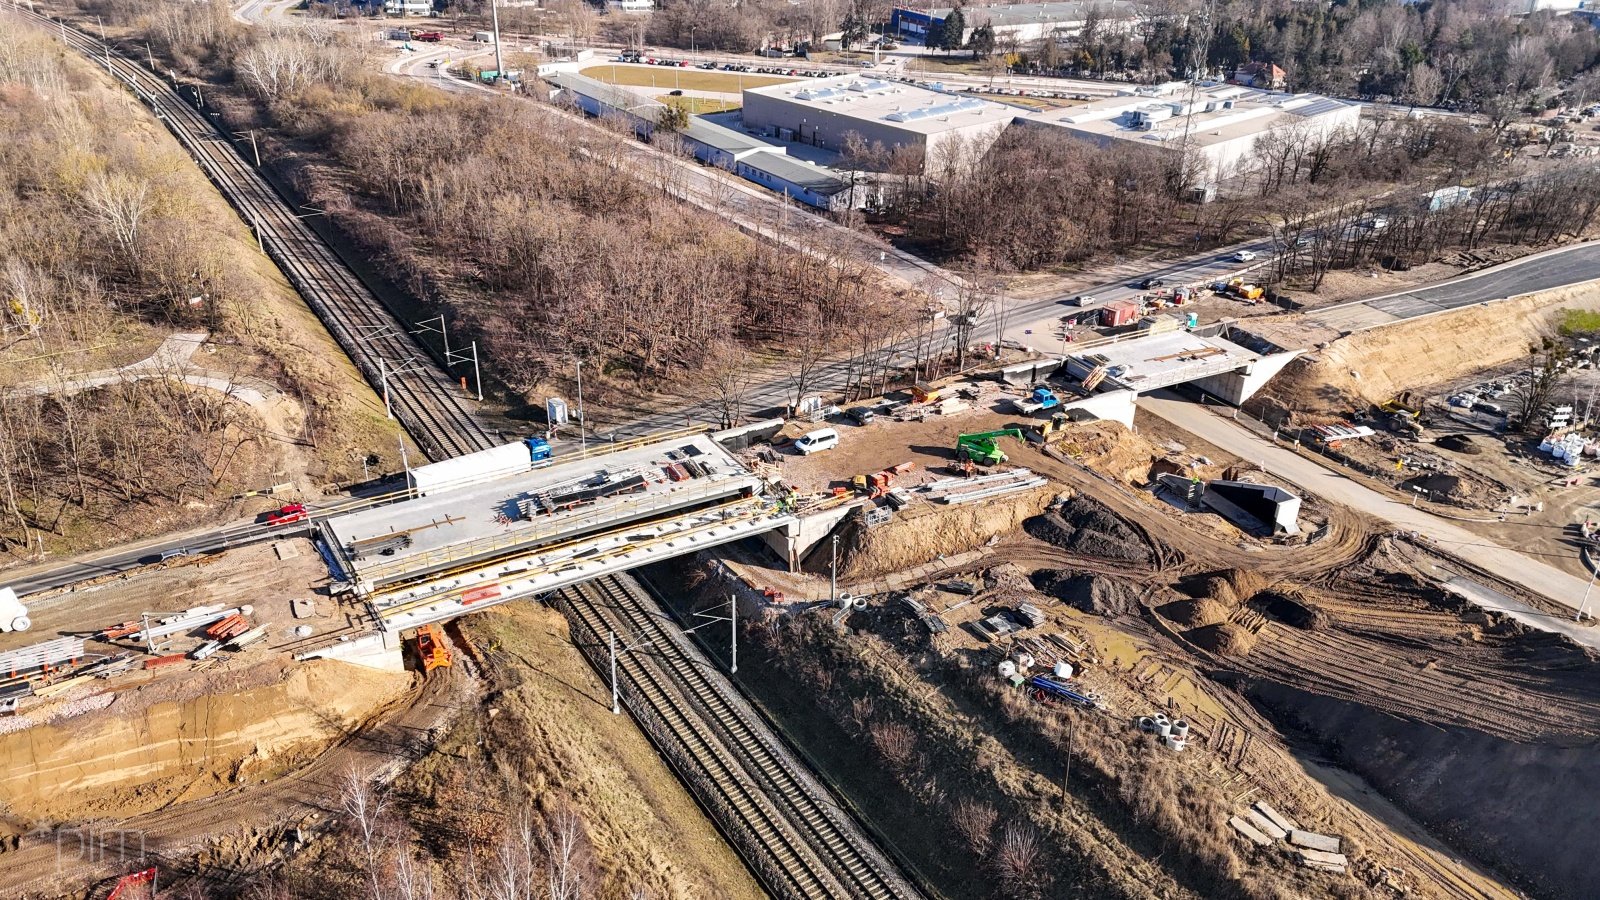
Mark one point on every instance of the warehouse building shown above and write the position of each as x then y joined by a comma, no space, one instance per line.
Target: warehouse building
715,145
823,112
811,184
1217,124
1025,21
598,99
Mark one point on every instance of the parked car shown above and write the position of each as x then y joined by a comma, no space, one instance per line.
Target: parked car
817,441
860,415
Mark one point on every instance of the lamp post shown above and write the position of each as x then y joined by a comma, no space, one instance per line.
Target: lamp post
583,432
1584,605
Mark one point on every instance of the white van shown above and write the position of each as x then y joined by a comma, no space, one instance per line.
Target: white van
817,441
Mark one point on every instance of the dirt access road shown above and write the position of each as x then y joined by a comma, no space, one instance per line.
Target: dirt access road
44,863
1514,567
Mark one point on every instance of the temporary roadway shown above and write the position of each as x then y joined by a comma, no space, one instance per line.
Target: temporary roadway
1540,272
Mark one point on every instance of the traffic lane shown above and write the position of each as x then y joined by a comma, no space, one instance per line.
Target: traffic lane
1524,277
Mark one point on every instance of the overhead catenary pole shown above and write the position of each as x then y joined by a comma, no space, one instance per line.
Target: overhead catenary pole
833,572
733,633
477,374
383,378
616,708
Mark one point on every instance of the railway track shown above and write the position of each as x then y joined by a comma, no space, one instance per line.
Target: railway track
423,397
806,846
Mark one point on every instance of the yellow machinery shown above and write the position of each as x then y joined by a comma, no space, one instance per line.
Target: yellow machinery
431,649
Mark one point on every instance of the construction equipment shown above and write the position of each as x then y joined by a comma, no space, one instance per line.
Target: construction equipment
431,649
1054,427
390,543
984,448
923,392
1244,290
1041,398
879,483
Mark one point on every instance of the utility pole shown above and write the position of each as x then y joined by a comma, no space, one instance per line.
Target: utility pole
255,148
151,57
499,60
1067,776
733,633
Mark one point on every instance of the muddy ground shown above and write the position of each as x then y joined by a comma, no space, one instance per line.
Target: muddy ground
1309,674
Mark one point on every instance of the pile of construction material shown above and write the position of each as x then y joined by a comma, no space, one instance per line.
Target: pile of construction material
1264,826
1171,733
1570,448
982,487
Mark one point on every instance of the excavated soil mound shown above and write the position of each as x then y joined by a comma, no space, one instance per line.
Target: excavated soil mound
907,541
1438,484
1290,608
1197,613
1226,639
1089,593
1245,581
1085,527
1219,590
1460,443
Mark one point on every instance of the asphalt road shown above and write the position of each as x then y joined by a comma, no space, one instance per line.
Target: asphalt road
1538,272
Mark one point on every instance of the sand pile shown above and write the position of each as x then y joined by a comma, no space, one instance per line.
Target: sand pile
1197,613
1226,639
1085,527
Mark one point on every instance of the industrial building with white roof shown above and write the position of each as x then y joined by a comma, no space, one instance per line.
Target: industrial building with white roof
1218,123
822,112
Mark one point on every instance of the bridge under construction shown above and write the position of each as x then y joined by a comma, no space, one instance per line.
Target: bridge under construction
503,523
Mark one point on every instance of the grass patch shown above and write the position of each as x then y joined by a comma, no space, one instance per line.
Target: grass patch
1579,321
697,106
664,78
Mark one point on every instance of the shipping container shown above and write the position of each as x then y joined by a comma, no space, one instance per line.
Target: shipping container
1120,313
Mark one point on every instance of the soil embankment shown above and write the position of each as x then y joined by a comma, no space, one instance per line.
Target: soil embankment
166,742
1375,365
909,540
1525,808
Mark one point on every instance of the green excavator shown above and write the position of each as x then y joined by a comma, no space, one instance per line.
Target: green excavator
984,448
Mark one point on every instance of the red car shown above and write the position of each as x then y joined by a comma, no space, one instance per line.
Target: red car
288,515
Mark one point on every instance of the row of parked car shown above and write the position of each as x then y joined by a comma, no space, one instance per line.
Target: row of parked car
724,67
